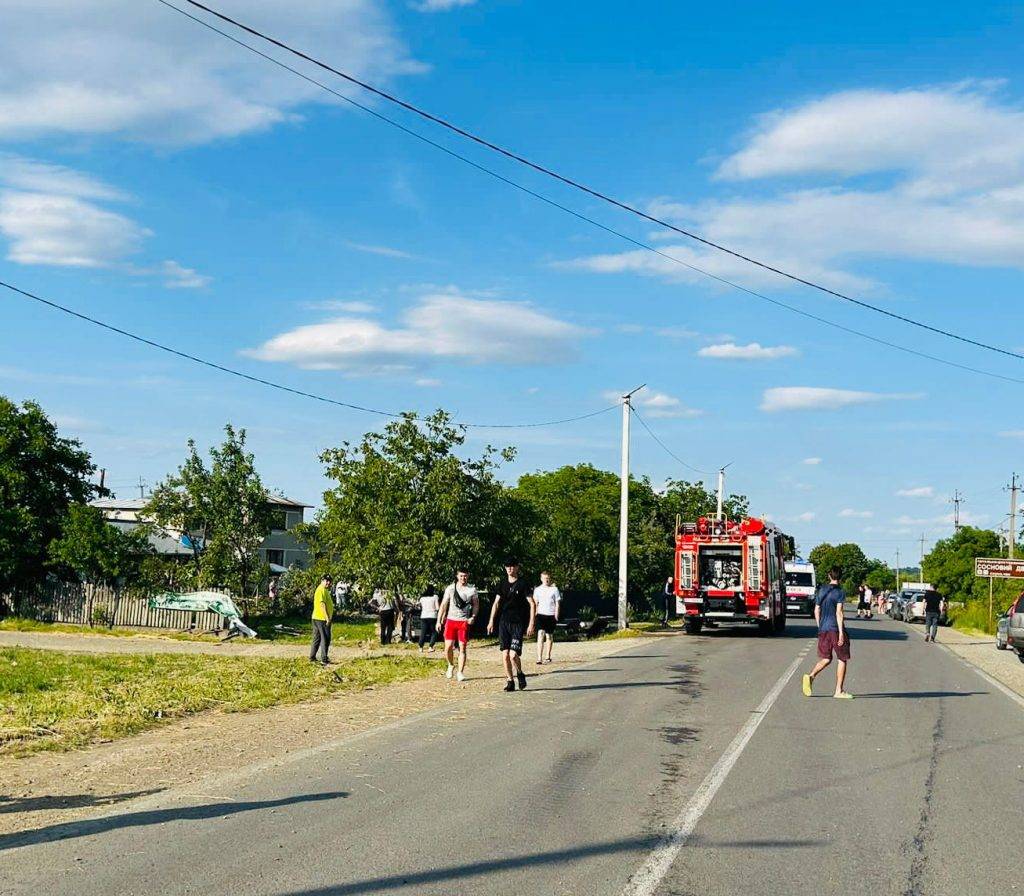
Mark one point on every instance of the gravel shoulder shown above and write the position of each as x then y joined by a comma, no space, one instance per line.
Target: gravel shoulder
50,788
980,650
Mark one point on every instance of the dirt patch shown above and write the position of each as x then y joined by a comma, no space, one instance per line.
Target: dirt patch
48,789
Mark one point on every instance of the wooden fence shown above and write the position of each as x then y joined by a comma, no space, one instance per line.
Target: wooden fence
100,606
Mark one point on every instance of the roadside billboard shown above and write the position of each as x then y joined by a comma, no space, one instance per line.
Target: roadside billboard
998,568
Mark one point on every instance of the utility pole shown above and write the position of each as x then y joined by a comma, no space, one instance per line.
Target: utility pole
1013,514
142,487
627,409
922,557
897,569
103,478
956,501
721,495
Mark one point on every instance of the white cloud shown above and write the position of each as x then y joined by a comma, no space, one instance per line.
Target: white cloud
51,215
921,491
811,461
753,351
657,404
386,251
804,517
449,327
427,382
809,398
44,228
950,161
141,71
440,5
1012,434
177,276
850,513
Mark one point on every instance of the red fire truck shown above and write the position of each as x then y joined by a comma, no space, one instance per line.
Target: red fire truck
731,572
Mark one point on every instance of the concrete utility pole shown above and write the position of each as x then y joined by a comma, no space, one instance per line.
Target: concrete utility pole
624,508
921,578
956,501
897,569
142,487
721,495
1013,514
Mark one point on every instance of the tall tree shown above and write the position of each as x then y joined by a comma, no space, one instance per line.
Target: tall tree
222,510
406,510
850,559
950,564
41,476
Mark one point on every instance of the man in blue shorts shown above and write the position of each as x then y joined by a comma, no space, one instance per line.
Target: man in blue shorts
832,635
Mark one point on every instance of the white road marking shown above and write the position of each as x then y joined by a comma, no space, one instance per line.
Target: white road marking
648,877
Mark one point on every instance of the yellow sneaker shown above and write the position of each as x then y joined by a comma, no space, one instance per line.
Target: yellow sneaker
808,685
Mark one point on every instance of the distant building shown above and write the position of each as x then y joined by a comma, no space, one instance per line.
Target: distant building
281,549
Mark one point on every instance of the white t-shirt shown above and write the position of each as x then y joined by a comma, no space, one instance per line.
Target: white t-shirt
547,598
428,606
466,593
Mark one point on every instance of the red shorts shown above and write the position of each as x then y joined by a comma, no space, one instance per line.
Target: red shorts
829,641
456,630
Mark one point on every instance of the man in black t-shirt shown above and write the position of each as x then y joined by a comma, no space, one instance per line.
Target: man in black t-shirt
934,606
515,612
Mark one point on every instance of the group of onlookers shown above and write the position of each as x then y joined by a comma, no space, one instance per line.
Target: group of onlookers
520,610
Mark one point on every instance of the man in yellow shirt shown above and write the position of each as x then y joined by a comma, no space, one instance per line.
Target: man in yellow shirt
323,610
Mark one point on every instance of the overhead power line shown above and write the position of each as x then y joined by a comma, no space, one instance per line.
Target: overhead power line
582,217
575,184
665,447
270,383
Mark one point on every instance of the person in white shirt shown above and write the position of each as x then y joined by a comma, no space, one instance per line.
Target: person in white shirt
457,614
548,599
429,604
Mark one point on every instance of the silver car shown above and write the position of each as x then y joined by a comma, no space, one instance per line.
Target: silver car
1003,631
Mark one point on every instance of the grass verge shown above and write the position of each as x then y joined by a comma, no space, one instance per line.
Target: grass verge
351,632
58,701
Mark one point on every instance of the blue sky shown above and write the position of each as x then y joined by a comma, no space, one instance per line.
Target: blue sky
157,177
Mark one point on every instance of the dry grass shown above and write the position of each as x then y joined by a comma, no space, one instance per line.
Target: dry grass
51,700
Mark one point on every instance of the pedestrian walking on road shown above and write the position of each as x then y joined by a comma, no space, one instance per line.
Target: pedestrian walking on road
832,635
934,607
323,611
515,612
458,612
667,597
548,602
386,606
430,603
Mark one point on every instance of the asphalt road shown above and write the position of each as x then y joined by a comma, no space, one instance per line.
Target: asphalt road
581,784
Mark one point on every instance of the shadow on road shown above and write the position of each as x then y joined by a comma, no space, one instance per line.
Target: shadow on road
912,695
74,801
70,829
454,874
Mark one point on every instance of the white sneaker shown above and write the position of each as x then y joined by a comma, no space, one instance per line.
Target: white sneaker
450,672
460,677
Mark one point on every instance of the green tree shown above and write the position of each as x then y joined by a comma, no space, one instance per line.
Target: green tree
96,551
949,567
691,500
223,512
848,557
406,510
879,576
41,476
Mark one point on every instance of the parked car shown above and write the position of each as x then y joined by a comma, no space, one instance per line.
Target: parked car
914,609
1015,626
1002,631
899,604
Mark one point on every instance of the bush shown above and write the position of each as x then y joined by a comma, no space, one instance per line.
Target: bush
102,616
974,615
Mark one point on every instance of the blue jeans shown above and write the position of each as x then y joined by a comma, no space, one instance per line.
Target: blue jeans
931,624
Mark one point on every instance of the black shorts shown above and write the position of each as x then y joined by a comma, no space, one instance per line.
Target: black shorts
545,623
510,636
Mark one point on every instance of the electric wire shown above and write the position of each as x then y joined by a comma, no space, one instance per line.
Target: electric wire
582,217
270,383
665,447
577,185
